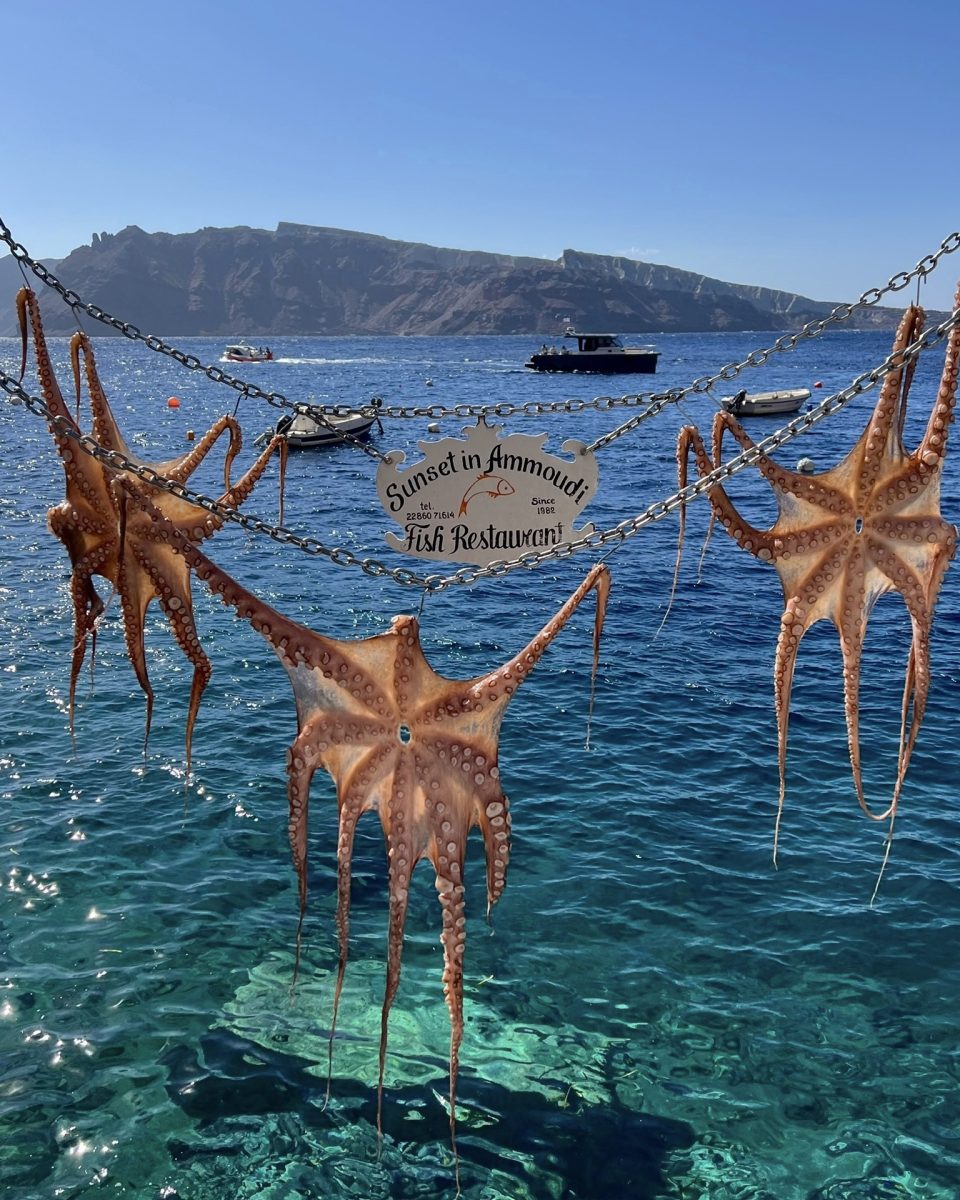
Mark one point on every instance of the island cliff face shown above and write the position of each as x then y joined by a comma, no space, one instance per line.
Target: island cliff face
302,279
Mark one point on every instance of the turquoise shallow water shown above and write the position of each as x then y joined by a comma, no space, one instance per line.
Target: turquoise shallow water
654,1011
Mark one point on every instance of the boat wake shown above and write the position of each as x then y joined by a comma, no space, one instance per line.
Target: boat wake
331,361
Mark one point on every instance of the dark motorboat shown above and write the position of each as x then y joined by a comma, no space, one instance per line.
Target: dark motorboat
599,353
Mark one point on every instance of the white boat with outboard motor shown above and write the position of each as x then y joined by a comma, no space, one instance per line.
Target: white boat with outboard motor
765,404
304,432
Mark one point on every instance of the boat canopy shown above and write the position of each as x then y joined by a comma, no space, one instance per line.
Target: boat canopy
594,341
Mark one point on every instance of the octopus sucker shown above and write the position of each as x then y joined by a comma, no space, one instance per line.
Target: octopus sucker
845,537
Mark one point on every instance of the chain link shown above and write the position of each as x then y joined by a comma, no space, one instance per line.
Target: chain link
319,413
505,408
757,358
119,462
468,575
662,508
651,403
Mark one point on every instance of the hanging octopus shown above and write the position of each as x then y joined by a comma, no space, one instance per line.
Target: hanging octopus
417,748
88,522
845,537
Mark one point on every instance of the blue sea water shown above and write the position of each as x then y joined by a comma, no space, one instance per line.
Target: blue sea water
654,1011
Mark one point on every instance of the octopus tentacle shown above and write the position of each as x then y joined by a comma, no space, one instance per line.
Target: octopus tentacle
916,688
803,608
912,710
746,535
198,523
450,891
177,604
689,441
88,503
184,467
301,764
353,801
685,442
133,607
105,428
492,814
907,381
920,597
881,440
318,734
793,624
806,487
933,445
349,815
484,802
293,643
28,313
108,434
902,486
87,604
87,608
851,623
179,469
503,682
235,495
402,852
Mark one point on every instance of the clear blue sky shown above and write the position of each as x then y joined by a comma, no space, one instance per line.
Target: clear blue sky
808,146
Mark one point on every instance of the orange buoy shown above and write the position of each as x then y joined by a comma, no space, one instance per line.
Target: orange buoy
173,402
818,384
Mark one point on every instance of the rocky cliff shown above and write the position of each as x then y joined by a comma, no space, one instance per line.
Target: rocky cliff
302,279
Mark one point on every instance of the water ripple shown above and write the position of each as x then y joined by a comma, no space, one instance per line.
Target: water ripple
655,1009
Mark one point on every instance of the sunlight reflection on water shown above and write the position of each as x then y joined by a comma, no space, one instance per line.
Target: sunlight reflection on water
654,1012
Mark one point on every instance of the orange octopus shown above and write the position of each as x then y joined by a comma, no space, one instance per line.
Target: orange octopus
845,537
397,738
127,554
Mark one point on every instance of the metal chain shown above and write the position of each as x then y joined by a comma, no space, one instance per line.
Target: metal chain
319,413
469,575
507,408
662,508
650,402
757,358
654,402
119,462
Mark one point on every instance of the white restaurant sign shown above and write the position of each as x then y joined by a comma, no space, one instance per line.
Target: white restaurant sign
486,497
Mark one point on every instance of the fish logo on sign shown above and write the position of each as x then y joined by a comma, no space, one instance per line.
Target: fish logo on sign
493,486
485,497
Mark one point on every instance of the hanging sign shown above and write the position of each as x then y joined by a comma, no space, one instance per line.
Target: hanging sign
486,497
